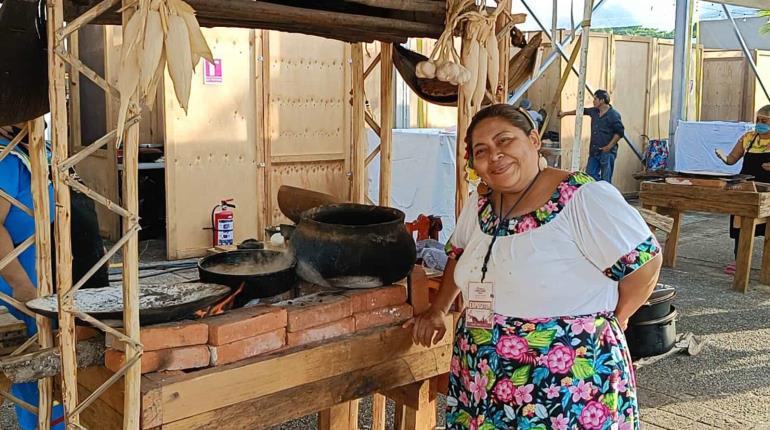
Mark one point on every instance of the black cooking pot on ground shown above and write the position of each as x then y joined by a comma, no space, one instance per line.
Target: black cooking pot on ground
655,337
657,306
264,273
353,246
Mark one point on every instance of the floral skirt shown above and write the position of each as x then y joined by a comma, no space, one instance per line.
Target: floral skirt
553,373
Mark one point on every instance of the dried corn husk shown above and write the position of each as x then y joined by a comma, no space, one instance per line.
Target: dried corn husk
130,69
199,47
481,79
179,55
493,62
159,33
153,49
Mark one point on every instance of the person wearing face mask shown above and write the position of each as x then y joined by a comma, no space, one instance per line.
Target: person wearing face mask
754,148
550,265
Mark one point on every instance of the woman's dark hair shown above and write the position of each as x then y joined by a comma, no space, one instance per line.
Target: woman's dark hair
602,95
516,116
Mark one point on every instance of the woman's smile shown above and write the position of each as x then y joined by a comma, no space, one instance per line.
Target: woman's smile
501,167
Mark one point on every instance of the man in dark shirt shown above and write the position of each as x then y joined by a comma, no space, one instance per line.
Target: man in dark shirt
606,130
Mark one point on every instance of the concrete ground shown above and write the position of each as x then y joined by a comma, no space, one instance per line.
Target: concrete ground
726,386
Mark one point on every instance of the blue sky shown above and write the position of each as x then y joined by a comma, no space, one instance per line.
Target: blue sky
621,13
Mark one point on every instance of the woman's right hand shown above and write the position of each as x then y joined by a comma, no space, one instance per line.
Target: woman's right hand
721,155
429,327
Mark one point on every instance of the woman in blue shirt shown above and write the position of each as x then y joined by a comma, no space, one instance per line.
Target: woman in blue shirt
19,278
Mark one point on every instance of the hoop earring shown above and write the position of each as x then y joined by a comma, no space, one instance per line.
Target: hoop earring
483,189
542,163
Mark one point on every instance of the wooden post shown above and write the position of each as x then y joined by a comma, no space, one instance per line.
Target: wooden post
379,405
132,390
764,275
423,416
464,116
587,11
672,242
340,417
745,251
42,208
358,137
386,121
58,102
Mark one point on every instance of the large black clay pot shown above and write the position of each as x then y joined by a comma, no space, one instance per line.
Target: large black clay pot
353,246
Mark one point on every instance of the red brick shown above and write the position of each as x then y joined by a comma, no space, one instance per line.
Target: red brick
244,323
383,316
375,298
247,348
317,334
315,310
188,357
166,336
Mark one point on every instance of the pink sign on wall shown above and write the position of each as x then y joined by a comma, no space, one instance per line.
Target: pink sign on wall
212,72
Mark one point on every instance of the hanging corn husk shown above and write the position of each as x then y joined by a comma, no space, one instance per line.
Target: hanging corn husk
479,65
160,33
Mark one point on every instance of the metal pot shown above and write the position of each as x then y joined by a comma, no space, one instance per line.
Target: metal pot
265,273
353,246
656,307
649,338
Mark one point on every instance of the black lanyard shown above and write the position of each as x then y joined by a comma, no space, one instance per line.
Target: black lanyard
500,219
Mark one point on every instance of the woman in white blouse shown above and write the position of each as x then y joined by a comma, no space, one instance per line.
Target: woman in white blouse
550,265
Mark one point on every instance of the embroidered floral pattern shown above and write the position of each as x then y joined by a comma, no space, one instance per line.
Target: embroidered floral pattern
488,220
553,373
635,259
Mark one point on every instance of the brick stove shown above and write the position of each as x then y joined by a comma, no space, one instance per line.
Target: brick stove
243,333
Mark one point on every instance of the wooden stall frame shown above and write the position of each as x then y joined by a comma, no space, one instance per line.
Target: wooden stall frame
61,54
42,240
58,57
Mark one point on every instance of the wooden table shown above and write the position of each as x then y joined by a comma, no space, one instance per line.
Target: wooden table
749,207
265,391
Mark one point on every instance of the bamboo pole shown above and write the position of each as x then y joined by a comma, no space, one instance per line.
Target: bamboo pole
372,123
21,206
387,109
77,23
464,116
87,72
359,140
575,162
13,143
372,65
372,155
58,102
132,394
504,48
563,81
40,200
76,135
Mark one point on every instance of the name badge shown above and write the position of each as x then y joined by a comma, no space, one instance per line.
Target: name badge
480,310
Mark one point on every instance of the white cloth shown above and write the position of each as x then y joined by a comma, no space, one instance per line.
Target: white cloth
422,177
558,268
695,142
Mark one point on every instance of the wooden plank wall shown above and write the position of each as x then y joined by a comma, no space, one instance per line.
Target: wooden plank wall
630,84
598,77
637,72
211,152
763,65
726,87
308,138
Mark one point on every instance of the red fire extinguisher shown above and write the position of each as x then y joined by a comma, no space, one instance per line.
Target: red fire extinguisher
223,223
